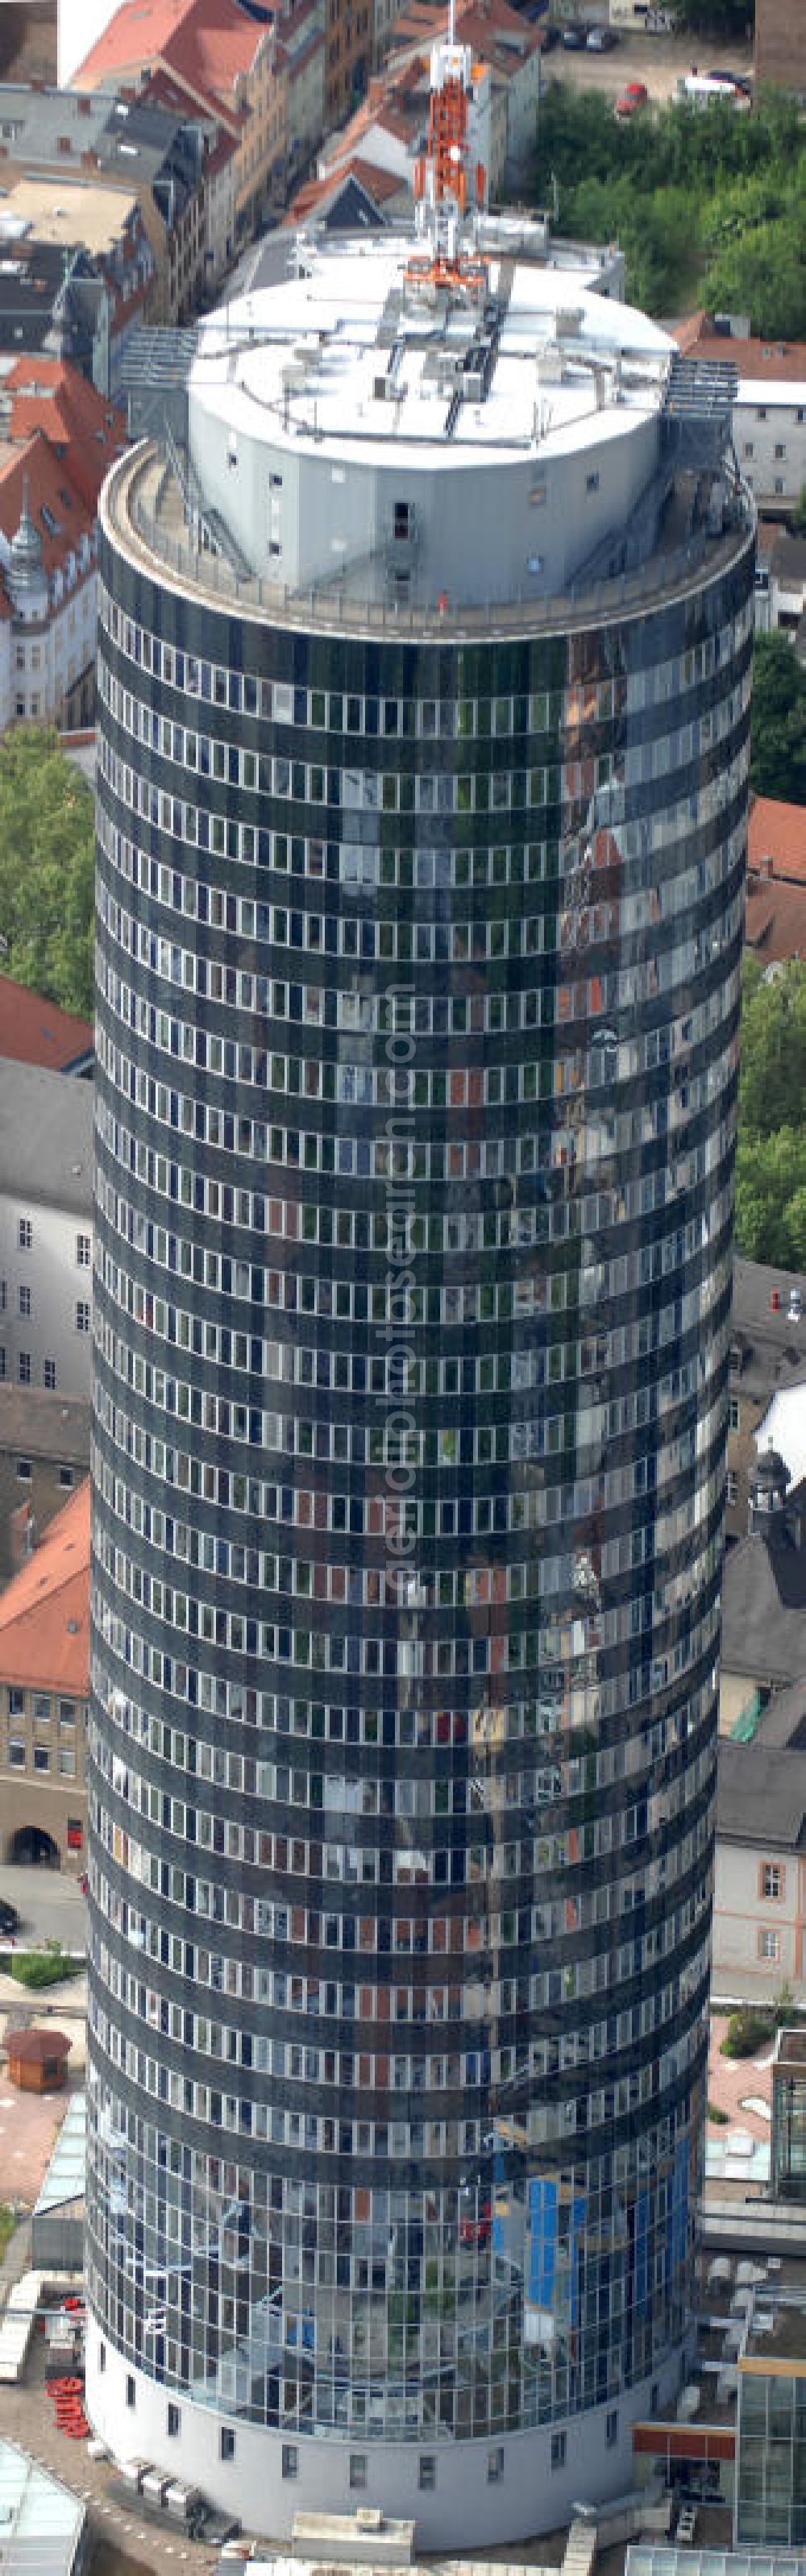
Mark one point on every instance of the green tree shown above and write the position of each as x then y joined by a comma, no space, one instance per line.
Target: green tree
771,1149
707,206
727,18
778,725
46,869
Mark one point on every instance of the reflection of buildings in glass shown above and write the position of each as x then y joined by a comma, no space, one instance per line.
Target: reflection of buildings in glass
419,974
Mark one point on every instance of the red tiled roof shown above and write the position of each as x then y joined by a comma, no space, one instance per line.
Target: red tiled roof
781,359
778,832
45,1609
378,184
35,467
35,1032
49,394
775,920
210,45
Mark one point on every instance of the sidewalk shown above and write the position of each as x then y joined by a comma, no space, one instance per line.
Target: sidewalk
27,2417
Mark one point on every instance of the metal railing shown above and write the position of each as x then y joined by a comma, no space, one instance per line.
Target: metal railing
133,514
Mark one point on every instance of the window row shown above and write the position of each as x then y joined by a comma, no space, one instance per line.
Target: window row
583,700
542,1150
442,791
387,2068
397,1371
489,1731
20,1758
404,1452
25,1367
517,791
613,1490
520,1229
364,868
539,1292
552,2121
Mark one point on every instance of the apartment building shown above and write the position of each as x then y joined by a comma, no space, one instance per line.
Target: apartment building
46,1149
223,62
44,1682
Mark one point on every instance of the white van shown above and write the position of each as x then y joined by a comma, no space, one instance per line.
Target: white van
700,89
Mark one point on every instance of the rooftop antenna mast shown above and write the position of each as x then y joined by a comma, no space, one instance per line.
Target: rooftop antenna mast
446,257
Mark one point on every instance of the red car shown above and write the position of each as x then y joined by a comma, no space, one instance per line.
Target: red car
475,2228
634,96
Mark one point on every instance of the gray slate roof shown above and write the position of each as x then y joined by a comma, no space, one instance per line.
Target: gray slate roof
761,1793
761,1786
46,1137
773,1350
764,1608
37,1424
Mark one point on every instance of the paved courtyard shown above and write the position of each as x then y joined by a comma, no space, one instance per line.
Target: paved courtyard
739,2085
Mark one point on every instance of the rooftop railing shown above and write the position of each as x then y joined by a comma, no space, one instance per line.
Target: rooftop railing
143,503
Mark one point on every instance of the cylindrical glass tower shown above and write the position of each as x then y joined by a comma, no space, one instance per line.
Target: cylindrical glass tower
418,991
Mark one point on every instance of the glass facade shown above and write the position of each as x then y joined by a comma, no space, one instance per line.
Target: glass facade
771,2454
418,995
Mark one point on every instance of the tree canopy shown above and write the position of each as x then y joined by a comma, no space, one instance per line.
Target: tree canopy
771,1150
706,207
46,869
778,721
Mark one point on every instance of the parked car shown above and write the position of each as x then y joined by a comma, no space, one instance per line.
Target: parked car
575,39
475,2225
634,96
9,1918
734,80
551,37
601,40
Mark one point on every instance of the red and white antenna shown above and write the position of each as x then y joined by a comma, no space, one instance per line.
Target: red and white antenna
441,172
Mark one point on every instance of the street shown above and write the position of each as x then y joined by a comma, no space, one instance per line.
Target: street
657,60
50,1907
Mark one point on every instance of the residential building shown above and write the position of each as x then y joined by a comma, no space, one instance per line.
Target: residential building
44,1682
775,920
767,1352
301,35
216,177
57,304
414,1149
769,416
760,1868
46,1228
48,594
389,127
764,1580
223,61
357,194
164,160
44,1455
156,145
780,46
787,583
776,840
84,431
105,229
33,1031
775,923
507,44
